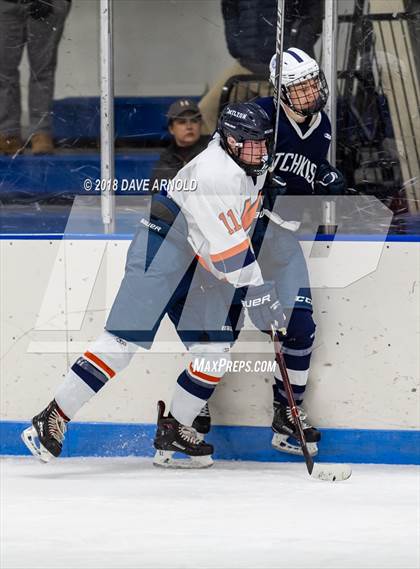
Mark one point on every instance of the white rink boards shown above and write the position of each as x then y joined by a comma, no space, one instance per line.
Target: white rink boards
365,371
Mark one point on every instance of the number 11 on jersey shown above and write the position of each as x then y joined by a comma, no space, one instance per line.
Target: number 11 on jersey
231,227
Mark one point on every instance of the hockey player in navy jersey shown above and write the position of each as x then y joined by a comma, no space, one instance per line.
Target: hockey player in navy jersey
186,261
300,168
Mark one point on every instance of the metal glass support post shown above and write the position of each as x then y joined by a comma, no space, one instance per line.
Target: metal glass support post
329,49
107,116
330,69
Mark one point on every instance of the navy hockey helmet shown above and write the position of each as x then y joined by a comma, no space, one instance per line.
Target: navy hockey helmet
304,88
246,121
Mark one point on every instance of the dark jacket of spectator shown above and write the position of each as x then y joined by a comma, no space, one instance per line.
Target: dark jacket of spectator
250,29
303,24
174,157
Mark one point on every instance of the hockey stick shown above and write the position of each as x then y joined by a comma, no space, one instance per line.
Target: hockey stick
279,67
328,472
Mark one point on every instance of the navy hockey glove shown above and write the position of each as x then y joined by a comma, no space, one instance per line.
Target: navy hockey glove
264,308
278,182
40,9
329,181
273,188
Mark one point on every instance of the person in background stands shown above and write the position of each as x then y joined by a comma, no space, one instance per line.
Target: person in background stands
250,32
39,25
184,125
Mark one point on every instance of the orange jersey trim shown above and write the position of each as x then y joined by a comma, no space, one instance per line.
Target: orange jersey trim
203,263
204,376
249,212
102,365
217,257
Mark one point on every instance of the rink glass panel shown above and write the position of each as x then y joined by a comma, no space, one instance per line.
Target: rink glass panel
378,124
166,50
36,191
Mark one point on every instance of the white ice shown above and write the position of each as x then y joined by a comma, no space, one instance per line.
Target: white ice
124,513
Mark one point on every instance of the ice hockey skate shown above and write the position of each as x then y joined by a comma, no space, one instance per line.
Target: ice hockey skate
285,438
202,423
46,435
172,438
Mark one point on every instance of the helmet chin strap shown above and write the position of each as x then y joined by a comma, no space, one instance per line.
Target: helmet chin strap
297,117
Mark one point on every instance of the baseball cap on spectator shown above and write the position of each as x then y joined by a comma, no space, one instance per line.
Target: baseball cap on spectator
181,106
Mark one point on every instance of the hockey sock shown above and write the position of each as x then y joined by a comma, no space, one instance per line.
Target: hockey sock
297,363
90,373
298,390
196,384
82,382
192,391
297,351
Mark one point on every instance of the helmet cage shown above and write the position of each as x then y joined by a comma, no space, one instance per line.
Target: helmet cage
249,169
299,101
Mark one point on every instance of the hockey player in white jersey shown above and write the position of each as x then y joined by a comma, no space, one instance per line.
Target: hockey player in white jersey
184,261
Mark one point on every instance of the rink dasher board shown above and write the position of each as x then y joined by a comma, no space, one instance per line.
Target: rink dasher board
230,442
363,386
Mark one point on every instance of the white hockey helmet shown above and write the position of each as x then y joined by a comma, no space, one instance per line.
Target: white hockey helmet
298,68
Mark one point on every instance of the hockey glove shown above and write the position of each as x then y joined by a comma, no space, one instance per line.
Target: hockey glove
40,9
329,181
273,188
278,183
264,308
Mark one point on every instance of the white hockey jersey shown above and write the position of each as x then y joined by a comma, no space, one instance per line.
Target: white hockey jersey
219,212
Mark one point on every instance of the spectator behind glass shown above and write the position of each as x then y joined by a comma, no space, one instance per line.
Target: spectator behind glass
184,124
39,25
250,32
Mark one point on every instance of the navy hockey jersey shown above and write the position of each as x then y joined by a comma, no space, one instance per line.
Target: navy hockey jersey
298,153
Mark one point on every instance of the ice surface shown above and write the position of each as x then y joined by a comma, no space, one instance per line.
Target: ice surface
123,512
